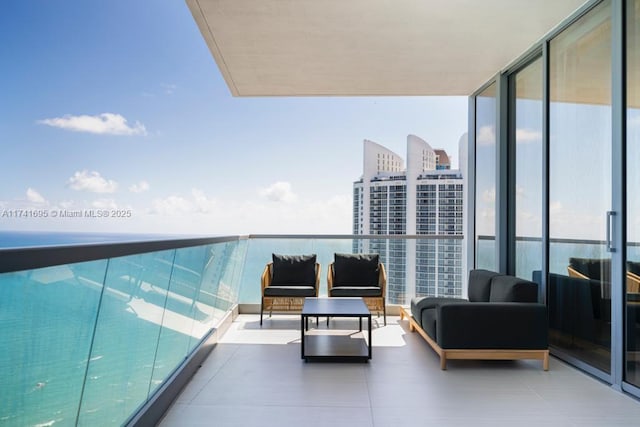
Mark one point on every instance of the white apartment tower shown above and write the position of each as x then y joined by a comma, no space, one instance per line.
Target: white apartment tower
425,198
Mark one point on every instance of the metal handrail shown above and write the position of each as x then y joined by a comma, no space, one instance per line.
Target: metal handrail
19,259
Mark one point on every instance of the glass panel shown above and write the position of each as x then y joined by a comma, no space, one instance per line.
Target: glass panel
126,338
47,317
580,189
528,170
485,218
632,342
143,313
180,312
423,266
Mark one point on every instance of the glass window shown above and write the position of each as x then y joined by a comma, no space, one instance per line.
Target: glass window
486,178
528,169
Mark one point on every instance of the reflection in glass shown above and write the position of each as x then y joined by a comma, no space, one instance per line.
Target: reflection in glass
126,337
580,189
632,299
485,215
528,170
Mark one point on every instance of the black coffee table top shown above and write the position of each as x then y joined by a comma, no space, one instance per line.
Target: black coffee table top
335,307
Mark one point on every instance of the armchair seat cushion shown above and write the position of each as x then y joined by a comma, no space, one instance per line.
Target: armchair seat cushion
290,291
356,291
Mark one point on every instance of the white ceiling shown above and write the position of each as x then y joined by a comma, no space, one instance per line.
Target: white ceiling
370,47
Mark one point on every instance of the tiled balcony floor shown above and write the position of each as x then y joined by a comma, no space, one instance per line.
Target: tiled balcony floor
255,377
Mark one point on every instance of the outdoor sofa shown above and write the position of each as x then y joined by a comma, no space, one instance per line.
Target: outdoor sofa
501,320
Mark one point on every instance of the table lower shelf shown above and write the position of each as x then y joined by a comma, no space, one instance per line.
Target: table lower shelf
335,348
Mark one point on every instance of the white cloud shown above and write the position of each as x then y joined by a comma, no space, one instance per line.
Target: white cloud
104,124
139,187
91,181
35,197
197,203
202,203
528,135
104,204
279,192
172,206
486,135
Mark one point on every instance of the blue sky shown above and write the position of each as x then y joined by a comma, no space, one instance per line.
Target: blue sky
119,105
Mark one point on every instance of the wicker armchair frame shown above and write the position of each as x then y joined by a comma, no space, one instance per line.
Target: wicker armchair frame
377,304
281,303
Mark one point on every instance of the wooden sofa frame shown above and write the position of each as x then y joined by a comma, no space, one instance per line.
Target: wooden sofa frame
473,354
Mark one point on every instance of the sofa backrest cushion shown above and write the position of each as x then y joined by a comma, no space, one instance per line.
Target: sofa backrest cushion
356,270
480,285
512,289
293,270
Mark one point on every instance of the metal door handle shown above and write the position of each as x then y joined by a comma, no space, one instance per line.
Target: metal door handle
609,243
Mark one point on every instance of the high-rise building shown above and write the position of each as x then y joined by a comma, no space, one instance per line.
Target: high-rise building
425,198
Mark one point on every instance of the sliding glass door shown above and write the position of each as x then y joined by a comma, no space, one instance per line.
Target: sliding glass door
580,134
632,285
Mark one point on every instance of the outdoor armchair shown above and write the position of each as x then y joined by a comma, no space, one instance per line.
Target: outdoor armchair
287,281
359,275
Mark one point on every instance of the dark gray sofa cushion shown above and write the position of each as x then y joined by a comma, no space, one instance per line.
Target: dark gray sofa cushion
513,289
492,325
356,270
419,304
479,288
293,270
428,322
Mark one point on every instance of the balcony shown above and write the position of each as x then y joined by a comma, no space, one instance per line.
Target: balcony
255,377
108,335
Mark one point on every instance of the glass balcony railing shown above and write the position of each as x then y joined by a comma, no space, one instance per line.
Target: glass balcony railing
416,265
88,343
90,333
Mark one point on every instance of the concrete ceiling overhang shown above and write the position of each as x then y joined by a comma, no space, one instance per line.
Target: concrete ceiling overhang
370,47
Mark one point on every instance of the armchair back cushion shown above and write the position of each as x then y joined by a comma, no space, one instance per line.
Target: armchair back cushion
593,268
513,289
293,270
480,285
633,267
356,270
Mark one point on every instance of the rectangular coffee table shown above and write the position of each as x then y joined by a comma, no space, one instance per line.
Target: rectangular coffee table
333,347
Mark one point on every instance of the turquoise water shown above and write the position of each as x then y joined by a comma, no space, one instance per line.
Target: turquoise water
88,343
